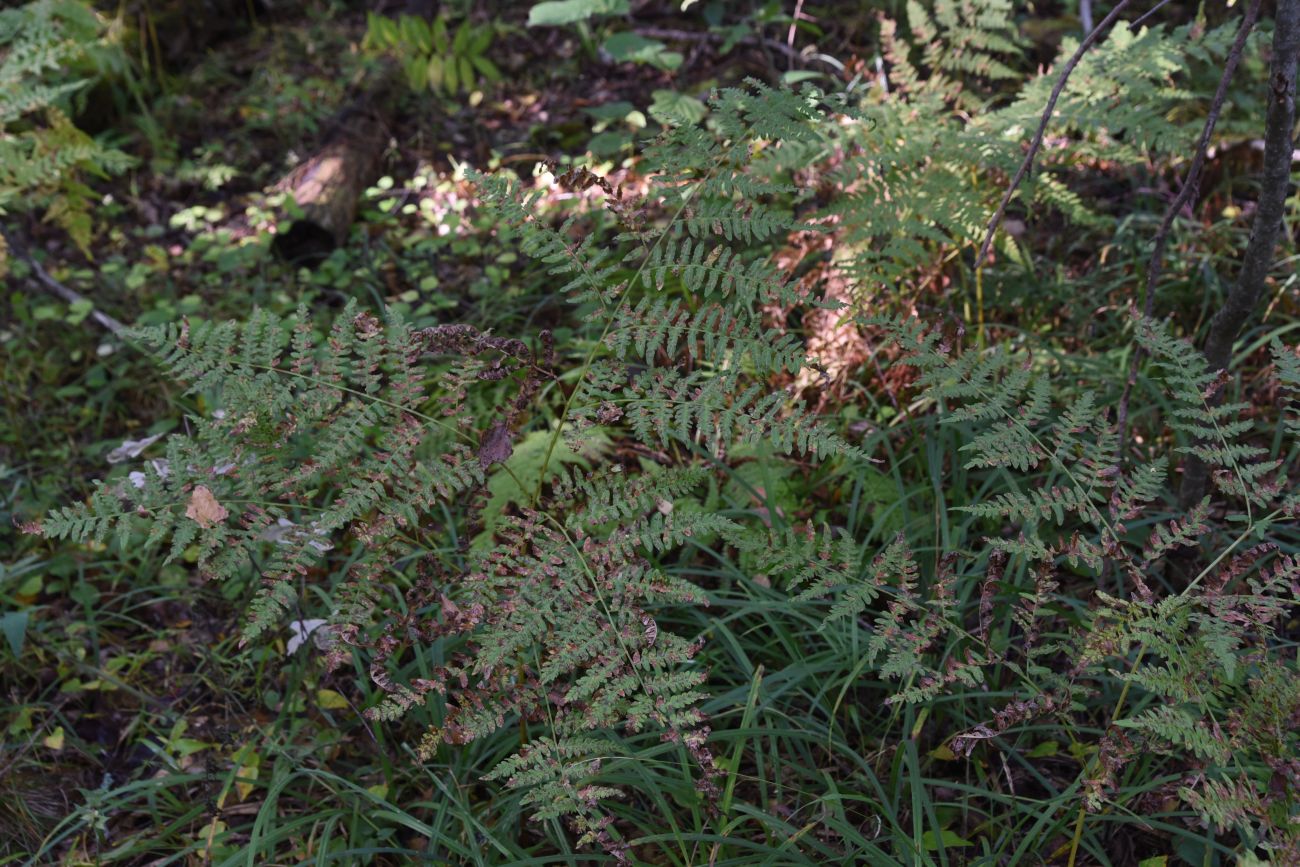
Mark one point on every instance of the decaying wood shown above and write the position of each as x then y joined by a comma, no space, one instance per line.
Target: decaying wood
328,185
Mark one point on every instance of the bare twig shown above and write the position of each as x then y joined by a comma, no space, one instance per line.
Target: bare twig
794,25
1245,293
54,287
1037,142
1136,25
1192,184
1189,192
704,36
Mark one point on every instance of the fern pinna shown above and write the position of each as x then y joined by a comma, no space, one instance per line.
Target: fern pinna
346,441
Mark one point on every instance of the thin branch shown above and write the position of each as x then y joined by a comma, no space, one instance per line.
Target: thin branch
705,36
1037,142
1192,185
1189,192
1137,25
54,287
794,24
1245,293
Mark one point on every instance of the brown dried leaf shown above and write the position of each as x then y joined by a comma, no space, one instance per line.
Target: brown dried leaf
495,446
204,508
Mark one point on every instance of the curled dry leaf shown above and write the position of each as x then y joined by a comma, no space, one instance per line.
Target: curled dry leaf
131,449
286,532
204,508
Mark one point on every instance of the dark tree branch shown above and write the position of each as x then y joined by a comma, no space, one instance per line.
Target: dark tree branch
1037,142
1189,193
54,287
1258,259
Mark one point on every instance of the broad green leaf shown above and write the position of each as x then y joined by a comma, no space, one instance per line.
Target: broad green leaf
671,108
331,700
460,41
948,839
556,12
630,48
417,72
611,111
385,32
415,33
608,144
524,468
249,763
435,73
795,76
440,42
451,75
14,626
486,67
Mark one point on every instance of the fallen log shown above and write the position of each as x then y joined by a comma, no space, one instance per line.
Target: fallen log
327,186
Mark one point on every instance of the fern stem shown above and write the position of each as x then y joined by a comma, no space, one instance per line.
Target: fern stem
609,323
370,397
1250,528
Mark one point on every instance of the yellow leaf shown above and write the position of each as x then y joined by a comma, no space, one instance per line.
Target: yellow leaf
209,834
189,746
331,700
434,73
943,754
54,740
248,774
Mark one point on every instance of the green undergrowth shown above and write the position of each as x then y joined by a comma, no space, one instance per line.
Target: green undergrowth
701,507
